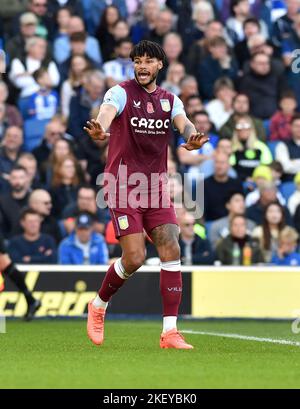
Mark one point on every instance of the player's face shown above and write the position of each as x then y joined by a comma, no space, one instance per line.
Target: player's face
146,70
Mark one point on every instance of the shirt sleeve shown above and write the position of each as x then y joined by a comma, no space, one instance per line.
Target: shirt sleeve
117,97
177,107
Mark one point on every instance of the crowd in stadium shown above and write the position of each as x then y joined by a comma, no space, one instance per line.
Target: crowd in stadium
235,66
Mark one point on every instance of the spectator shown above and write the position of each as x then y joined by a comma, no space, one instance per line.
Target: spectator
192,160
241,106
29,163
287,254
81,105
175,73
163,25
15,46
55,130
86,202
268,233
232,249
121,68
55,7
78,48
194,250
263,85
65,183
99,8
261,175
79,64
251,26
10,150
149,13
240,12
61,148
84,246
193,105
188,86
62,19
268,195
40,201
248,151
22,70
203,13
220,108
235,204
294,200
280,124
32,247
62,45
9,114
217,188
288,152
43,104
208,166
12,203
104,33
283,27
218,63
173,47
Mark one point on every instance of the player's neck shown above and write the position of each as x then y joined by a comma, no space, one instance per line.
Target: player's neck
149,88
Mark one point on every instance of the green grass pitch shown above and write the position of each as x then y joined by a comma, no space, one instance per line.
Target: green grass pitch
57,354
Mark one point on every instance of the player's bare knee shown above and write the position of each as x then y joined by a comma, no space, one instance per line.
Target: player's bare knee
133,260
170,251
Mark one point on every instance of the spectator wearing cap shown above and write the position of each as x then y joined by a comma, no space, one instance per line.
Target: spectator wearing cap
83,246
287,254
294,200
288,152
32,247
235,204
261,175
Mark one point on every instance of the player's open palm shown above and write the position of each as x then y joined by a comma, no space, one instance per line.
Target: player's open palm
96,131
195,141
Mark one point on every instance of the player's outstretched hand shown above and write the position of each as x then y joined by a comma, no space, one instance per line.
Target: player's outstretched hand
95,130
195,141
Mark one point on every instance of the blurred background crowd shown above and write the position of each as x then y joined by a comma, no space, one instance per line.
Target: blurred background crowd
235,65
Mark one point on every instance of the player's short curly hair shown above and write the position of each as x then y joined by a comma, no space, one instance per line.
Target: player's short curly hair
149,48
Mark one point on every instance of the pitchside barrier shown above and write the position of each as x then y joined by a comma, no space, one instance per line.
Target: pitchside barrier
209,292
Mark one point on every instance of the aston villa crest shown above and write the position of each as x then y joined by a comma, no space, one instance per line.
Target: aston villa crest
165,105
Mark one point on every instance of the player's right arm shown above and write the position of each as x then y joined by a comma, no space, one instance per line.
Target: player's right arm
113,104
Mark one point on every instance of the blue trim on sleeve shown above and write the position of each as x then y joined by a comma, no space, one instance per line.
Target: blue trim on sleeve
117,97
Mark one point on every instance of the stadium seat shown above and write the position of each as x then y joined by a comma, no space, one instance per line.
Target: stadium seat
287,189
272,146
33,133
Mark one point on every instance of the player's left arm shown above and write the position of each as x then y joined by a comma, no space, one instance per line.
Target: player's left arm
194,139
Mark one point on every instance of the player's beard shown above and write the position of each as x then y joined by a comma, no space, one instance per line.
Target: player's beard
151,80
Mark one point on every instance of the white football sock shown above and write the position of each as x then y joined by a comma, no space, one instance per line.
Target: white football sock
169,323
98,303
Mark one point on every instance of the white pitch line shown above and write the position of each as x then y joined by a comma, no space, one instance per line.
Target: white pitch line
244,337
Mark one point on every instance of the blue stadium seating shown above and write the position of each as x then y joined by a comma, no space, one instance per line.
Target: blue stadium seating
33,133
272,146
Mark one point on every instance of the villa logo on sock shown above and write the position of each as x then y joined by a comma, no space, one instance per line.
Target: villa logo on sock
175,289
112,287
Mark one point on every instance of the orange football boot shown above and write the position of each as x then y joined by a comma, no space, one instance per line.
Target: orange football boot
95,324
173,339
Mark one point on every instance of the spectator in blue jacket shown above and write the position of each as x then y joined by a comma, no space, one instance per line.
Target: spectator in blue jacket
286,253
83,246
32,247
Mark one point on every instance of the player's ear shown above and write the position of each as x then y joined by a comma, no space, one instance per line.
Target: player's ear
160,65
